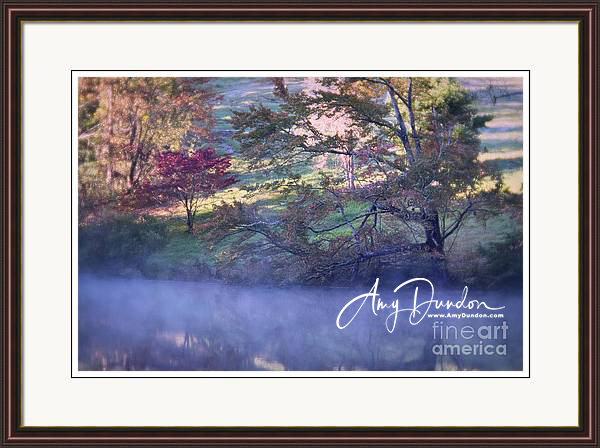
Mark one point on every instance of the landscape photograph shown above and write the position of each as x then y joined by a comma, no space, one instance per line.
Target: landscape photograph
340,224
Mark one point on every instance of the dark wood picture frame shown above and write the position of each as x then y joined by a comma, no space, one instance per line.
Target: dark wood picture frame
17,11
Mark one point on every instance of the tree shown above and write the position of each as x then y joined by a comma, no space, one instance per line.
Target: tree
126,121
158,113
96,150
279,87
417,142
498,90
188,177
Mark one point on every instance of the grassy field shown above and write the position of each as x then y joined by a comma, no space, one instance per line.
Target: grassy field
502,139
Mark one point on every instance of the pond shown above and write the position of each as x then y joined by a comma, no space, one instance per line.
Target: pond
153,325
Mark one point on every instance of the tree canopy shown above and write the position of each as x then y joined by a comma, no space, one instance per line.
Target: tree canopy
409,150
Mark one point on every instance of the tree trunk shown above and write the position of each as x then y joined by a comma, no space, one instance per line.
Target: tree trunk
349,168
435,245
134,157
402,133
131,176
411,114
434,240
107,150
190,221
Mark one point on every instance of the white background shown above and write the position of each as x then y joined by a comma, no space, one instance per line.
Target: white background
51,397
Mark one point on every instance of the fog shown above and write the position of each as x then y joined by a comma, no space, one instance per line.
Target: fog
137,324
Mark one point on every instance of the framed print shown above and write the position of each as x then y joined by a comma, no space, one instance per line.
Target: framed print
299,224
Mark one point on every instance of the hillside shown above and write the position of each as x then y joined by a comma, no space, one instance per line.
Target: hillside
177,254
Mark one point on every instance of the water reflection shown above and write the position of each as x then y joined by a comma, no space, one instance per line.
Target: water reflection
133,324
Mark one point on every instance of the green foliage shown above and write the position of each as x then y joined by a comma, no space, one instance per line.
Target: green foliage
480,121
503,261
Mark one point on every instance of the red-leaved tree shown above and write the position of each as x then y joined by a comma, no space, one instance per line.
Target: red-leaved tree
188,177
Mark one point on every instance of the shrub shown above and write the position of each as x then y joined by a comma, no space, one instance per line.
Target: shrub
503,262
120,241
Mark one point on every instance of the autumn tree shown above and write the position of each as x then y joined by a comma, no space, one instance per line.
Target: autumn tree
417,140
188,177
157,114
127,121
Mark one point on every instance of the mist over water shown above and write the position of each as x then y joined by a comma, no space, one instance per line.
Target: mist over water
137,324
